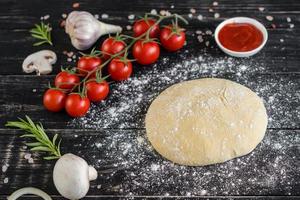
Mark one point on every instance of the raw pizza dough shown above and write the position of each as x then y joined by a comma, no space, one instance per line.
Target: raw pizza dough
206,121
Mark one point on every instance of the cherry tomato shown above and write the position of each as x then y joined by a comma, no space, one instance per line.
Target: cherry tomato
172,40
112,46
142,25
88,63
119,70
97,91
54,100
77,106
66,80
146,52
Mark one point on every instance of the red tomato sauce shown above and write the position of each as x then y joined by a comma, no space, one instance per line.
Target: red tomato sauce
240,37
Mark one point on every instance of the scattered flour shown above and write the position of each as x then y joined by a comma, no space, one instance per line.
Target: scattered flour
131,166
134,168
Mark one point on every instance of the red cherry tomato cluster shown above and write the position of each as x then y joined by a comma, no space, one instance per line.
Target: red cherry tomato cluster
74,90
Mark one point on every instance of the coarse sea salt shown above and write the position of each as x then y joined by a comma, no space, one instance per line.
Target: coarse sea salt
269,18
104,16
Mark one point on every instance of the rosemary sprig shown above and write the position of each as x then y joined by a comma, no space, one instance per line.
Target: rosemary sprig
42,32
37,132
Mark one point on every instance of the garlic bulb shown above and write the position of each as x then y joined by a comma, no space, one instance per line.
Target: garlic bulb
84,29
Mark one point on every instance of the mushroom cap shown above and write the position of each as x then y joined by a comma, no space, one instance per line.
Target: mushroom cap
71,176
40,61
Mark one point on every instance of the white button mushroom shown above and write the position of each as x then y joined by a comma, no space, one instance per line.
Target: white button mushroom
41,62
84,29
72,176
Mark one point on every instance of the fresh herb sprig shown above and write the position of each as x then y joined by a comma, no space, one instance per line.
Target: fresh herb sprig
37,132
42,32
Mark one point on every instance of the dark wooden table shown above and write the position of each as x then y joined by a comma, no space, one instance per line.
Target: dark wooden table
112,136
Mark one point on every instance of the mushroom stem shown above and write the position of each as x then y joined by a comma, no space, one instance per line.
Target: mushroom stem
92,173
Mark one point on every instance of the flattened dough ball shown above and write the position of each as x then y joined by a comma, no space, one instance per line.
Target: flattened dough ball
206,121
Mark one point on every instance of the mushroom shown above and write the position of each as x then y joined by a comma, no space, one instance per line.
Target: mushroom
41,62
84,29
72,176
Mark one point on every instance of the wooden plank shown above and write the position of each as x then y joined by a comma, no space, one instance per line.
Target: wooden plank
127,165
277,56
107,197
127,103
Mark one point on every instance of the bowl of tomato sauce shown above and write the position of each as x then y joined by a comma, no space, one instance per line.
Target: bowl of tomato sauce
241,36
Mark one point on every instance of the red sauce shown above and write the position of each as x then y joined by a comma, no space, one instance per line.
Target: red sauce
240,37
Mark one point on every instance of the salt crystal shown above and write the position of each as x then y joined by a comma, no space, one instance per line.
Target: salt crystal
215,3
288,19
74,56
70,54
96,16
193,10
269,18
207,43
46,17
200,38
208,32
292,25
131,17
281,40
98,144
30,160
153,12
41,18
27,156
261,9
4,168
200,17
104,16
140,140
33,90
98,186
64,15
162,12
190,15
128,27
76,5
217,15
168,13
5,180
210,10
69,59
198,32
172,6
203,192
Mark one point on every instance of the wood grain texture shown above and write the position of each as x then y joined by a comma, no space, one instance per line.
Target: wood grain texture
17,18
124,160
280,93
117,146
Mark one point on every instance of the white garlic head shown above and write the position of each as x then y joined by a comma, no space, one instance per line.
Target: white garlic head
84,29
